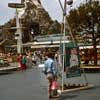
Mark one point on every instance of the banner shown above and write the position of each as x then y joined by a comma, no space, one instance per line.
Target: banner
72,62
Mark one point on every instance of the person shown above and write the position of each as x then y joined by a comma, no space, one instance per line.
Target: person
19,59
29,60
24,61
50,70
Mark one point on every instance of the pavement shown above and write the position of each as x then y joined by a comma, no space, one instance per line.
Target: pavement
32,85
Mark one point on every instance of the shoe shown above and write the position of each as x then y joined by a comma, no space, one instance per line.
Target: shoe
53,97
50,97
57,96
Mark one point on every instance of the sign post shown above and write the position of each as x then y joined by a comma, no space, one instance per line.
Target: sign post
18,34
64,15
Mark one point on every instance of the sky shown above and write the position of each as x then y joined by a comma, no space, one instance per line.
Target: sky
52,6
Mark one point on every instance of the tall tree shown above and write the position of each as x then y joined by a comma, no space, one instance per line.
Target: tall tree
86,20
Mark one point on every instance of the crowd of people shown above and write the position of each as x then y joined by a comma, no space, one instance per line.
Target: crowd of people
25,61
28,59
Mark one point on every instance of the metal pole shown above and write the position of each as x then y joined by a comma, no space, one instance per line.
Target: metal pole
64,15
19,39
85,77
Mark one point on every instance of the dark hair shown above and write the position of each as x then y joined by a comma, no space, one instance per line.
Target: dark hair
50,54
24,53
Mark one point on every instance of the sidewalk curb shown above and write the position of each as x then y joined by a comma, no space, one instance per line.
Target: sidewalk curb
80,88
7,70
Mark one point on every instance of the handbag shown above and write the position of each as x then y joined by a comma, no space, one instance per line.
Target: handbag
54,85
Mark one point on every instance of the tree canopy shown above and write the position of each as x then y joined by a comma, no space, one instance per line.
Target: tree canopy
85,20
85,23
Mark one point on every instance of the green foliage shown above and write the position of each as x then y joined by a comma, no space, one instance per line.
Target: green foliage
86,20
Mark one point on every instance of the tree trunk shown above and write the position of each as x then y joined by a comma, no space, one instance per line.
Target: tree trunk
95,53
94,49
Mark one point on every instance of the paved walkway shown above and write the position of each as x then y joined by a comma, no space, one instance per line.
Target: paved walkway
28,85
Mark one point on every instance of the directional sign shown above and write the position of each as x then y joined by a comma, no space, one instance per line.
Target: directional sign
16,5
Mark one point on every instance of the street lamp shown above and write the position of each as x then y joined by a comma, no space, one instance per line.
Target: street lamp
66,2
18,32
69,2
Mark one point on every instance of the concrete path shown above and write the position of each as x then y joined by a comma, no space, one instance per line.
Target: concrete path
30,85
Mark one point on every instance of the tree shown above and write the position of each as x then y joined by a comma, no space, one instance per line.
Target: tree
86,20
54,28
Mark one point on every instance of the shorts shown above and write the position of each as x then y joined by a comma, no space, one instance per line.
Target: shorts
50,76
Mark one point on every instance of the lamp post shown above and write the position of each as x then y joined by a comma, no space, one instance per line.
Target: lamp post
18,32
66,2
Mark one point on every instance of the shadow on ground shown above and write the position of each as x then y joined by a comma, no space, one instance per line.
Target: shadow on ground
65,97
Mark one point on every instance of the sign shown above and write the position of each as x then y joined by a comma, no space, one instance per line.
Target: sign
16,5
53,37
72,60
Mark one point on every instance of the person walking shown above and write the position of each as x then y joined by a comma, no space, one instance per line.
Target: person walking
24,61
50,70
19,59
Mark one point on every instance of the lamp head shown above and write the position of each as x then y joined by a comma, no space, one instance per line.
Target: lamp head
70,2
